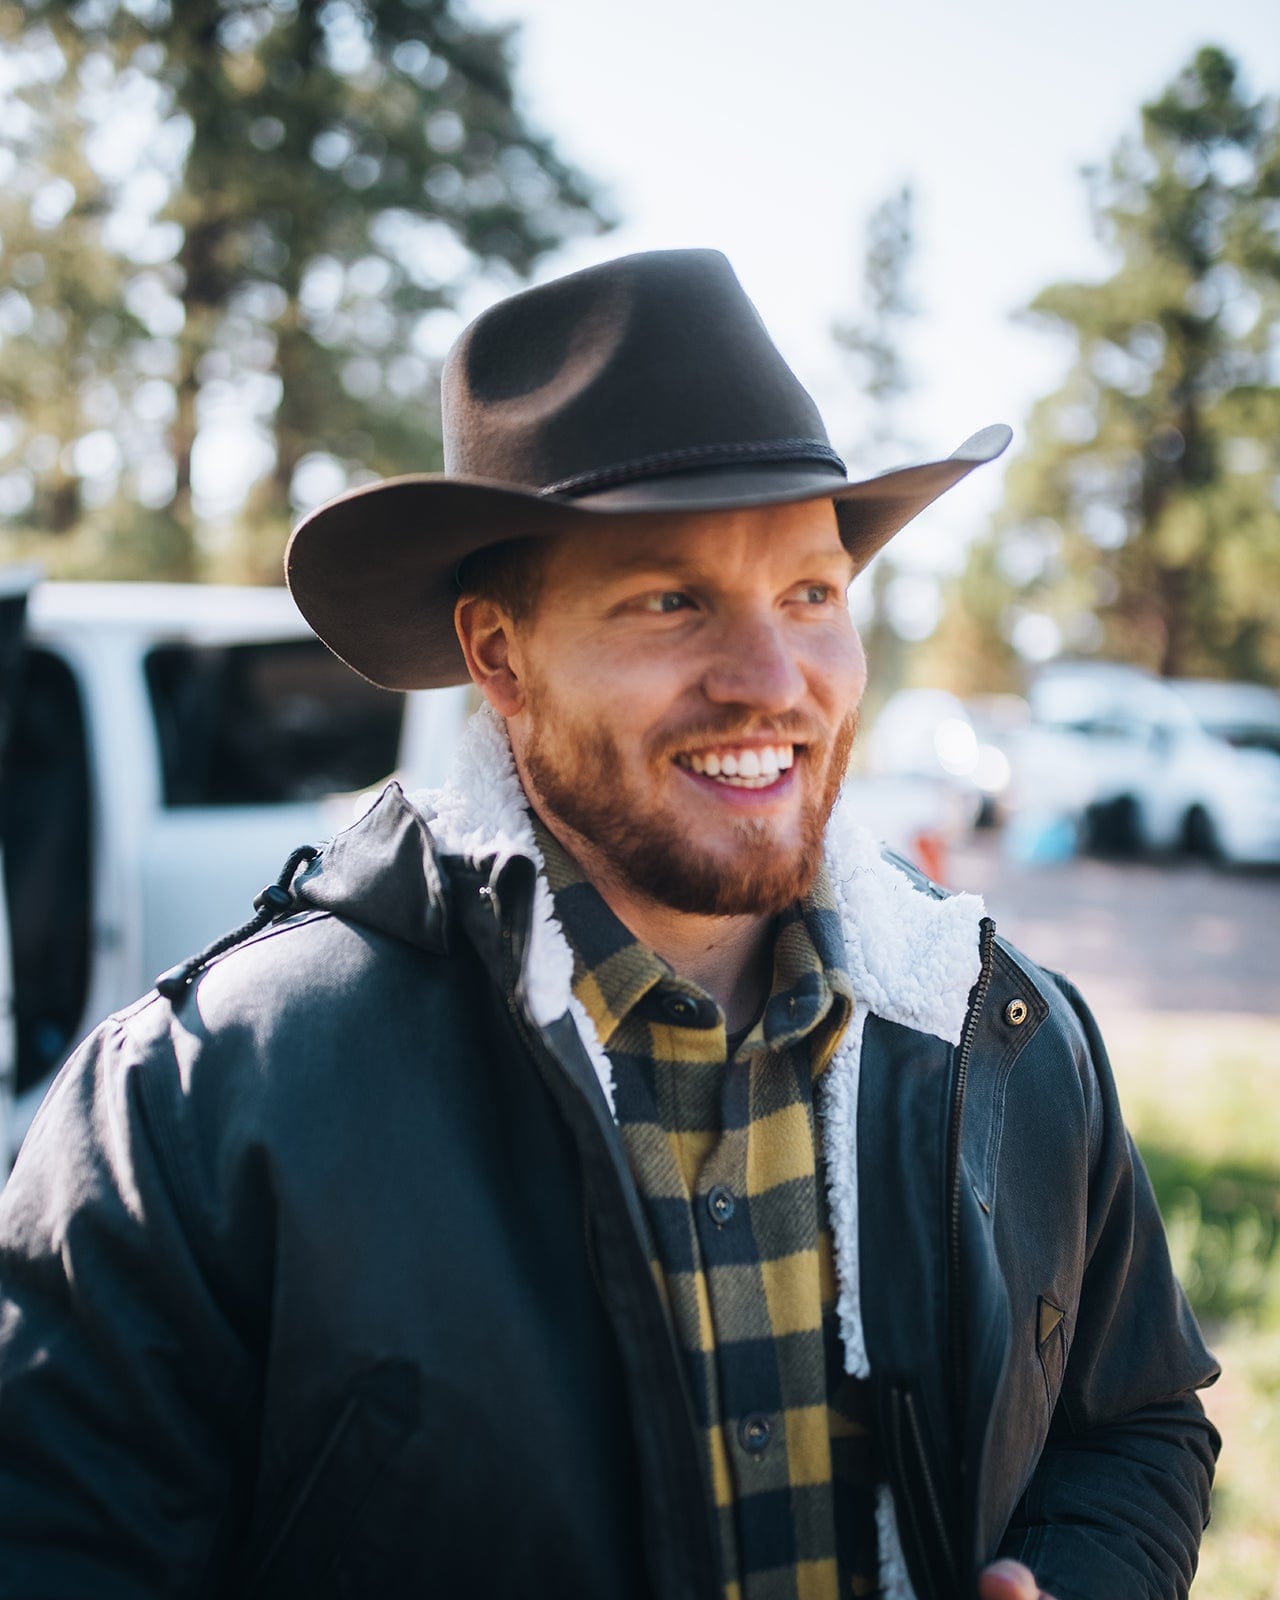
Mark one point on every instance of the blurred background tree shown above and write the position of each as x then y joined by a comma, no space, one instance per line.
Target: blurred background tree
872,342
232,232
1142,517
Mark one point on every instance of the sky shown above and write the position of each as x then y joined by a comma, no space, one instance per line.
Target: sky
770,129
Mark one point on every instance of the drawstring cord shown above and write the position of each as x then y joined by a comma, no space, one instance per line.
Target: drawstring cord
272,902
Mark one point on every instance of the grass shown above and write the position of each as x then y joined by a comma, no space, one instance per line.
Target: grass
1200,1095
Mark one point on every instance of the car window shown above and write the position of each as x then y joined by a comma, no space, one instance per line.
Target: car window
1249,738
261,724
45,814
1245,715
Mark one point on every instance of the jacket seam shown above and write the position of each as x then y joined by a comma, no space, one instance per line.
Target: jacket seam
1015,1046
289,924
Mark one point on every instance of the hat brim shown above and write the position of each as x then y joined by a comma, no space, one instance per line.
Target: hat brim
373,571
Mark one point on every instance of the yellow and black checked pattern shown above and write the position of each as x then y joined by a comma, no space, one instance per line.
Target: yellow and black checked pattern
720,1135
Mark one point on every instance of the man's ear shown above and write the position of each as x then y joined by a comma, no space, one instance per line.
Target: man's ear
487,637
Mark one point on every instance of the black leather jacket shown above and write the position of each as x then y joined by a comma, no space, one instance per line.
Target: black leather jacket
329,1279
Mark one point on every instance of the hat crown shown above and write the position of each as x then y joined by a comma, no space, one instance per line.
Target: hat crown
655,361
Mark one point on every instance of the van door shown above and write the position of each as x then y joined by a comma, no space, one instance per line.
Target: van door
45,833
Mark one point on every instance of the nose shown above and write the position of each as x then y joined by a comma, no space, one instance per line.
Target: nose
754,665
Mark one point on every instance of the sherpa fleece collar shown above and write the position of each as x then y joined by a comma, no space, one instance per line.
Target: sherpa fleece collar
911,958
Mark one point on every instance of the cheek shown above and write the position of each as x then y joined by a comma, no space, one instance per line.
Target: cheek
839,669
635,683
627,693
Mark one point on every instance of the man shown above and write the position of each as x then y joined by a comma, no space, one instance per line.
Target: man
610,1177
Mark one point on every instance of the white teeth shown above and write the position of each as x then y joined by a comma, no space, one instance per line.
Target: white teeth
749,764
743,769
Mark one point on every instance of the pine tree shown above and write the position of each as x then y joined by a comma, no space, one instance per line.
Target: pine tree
1141,518
872,343
321,177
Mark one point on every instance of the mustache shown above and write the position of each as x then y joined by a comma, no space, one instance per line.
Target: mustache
792,727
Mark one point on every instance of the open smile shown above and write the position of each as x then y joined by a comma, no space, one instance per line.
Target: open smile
740,766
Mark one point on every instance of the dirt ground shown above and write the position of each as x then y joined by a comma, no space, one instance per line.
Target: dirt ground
1138,936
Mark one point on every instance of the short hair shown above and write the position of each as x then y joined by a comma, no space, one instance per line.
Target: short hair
510,574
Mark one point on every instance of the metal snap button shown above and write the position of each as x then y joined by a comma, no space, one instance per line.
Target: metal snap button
678,1008
754,1433
1016,1013
721,1205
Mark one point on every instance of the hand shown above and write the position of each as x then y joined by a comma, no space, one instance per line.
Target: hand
1009,1580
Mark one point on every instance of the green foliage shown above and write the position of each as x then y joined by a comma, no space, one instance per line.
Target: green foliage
1199,1093
246,215
1223,1219
1141,518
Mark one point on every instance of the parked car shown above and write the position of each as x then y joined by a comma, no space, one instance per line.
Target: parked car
930,733
918,788
1089,752
1215,786
1140,762
170,745
15,585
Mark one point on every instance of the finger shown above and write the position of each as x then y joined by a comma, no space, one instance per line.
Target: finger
1008,1580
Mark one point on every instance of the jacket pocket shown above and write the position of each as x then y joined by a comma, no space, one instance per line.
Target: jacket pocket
1051,1348
925,1520
324,1503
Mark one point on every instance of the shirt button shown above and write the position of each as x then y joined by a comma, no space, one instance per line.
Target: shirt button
754,1433
721,1205
678,1008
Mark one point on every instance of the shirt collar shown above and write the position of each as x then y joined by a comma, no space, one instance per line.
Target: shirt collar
614,972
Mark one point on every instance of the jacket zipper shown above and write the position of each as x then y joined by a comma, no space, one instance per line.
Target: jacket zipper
976,1002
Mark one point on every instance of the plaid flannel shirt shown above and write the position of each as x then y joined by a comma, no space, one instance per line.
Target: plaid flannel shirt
722,1143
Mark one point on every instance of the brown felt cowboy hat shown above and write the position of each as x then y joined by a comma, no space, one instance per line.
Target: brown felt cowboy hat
647,384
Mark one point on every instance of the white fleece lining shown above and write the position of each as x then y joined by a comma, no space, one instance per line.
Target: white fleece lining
912,959
895,1581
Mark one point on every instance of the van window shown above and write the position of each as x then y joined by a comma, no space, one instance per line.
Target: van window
258,724
45,823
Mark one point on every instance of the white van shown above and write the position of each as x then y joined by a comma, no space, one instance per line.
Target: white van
170,744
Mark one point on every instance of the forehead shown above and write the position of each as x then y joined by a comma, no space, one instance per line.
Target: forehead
762,540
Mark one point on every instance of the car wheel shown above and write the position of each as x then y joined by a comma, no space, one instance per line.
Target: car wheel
1199,836
1111,827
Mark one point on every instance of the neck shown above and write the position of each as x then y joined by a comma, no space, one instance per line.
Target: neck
729,957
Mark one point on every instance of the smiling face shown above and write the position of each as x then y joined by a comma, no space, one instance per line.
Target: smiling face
683,699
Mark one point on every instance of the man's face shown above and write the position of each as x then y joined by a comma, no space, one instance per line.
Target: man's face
688,698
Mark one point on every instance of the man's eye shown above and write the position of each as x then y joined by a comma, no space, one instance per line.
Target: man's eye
669,600
816,594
